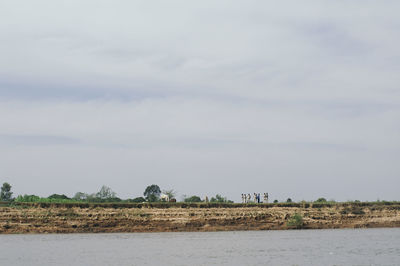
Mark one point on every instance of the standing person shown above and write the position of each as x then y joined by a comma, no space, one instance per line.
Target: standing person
258,197
265,197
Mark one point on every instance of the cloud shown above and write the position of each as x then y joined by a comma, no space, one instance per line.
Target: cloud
252,50
298,97
36,140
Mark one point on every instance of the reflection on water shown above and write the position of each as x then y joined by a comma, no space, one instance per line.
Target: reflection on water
305,247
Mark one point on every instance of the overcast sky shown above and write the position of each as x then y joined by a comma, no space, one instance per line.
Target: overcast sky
300,99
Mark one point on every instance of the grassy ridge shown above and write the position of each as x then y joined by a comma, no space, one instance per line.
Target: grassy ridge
164,205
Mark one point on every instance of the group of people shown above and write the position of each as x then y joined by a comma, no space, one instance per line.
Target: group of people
246,198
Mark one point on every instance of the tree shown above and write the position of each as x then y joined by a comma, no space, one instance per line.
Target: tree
92,198
170,193
276,201
218,198
58,196
289,200
80,196
105,193
6,194
152,193
192,199
321,200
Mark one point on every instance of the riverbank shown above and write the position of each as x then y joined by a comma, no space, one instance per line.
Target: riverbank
65,218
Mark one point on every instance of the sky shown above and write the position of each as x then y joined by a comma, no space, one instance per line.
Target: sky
300,99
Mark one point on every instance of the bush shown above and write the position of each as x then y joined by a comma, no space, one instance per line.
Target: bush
321,200
138,199
27,198
323,205
295,221
57,196
192,199
218,198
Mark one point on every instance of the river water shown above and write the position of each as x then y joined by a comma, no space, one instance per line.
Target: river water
294,247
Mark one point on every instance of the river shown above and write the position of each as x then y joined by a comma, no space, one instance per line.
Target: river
293,247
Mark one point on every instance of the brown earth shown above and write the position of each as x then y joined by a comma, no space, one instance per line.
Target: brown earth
61,219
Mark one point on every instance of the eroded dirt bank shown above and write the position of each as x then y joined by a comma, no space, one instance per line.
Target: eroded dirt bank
62,219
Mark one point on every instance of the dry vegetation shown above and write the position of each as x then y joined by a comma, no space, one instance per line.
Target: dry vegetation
164,217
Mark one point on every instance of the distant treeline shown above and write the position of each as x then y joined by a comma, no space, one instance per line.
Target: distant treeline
152,194
165,205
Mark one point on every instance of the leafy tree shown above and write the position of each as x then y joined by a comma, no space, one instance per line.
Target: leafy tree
321,200
152,193
93,198
6,194
276,201
80,196
58,196
105,193
192,199
289,200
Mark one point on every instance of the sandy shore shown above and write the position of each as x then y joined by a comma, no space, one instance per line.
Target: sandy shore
72,219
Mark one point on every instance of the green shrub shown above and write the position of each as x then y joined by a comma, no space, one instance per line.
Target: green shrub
27,198
192,199
58,196
138,199
321,200
295,221
219,199
322,205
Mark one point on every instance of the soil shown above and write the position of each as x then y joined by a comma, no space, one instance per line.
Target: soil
61,219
